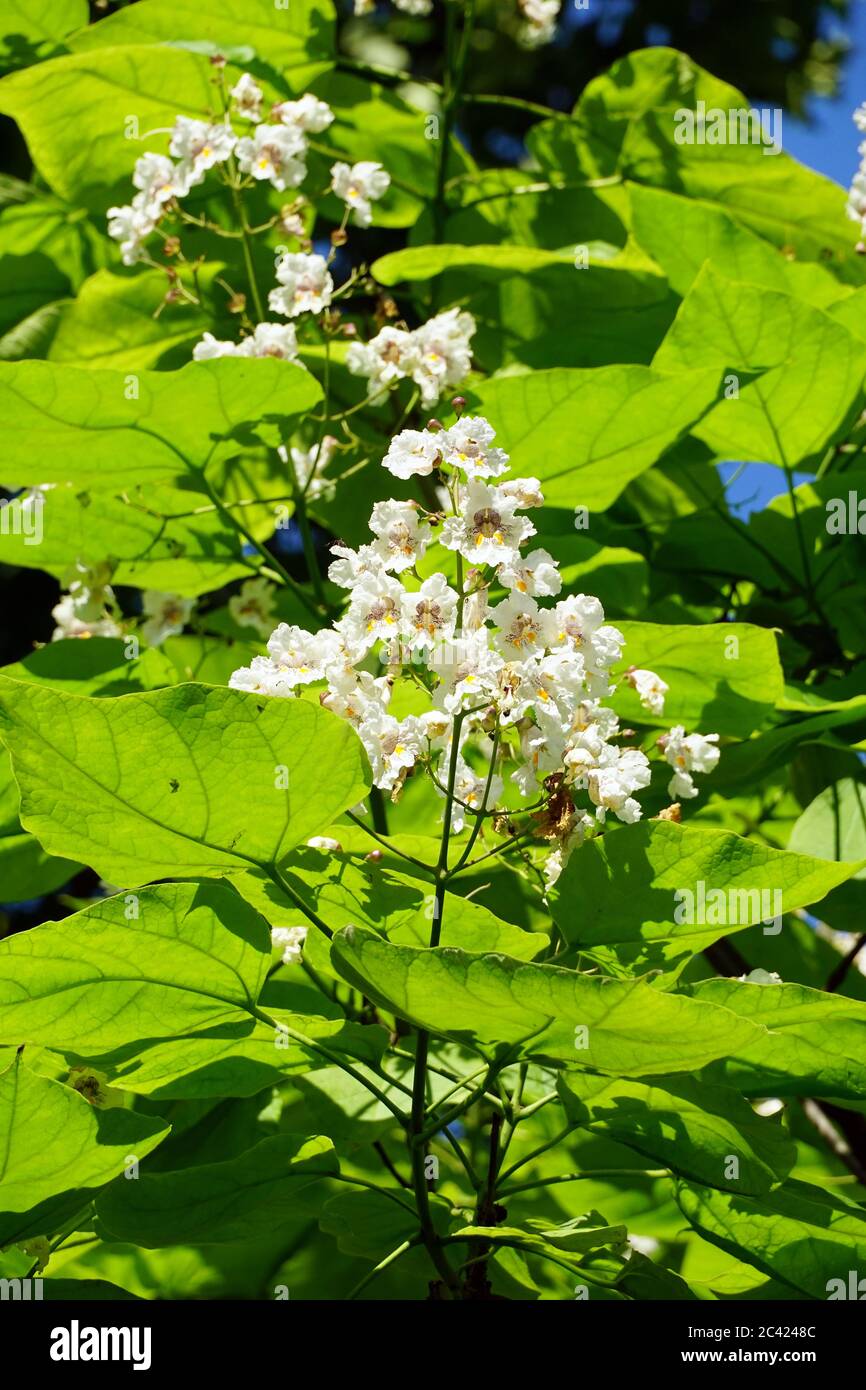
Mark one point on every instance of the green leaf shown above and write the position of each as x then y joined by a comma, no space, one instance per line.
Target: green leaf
815,1043
284,35
156,535
833,826
565,1245
73,424
160,989
684,1124
682,233
723,677
587,434
629,890
31,30
502,1005
626,124
799,1234
215,1203
121,320
57,1151
182,781
239,1059
168,961
795,351
73,112
46,250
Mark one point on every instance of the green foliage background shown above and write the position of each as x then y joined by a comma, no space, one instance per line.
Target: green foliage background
268,1106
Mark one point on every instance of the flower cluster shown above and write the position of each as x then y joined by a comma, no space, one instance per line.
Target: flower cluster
274,151
435,356
506,682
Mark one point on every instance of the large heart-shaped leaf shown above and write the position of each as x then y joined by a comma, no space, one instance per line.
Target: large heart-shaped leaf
182,781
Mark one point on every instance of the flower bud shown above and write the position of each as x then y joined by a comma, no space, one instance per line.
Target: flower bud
171,246
237,304
435,425
459,404
374,857
339,237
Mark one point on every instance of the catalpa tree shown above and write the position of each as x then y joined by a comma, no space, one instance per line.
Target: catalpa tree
433,815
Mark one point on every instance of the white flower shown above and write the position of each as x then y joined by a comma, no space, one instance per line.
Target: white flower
430,613
275,153
209,347
389,357
392,746
353,565
521,626
859,117
578,622
266,340
302,656
308,114
248,97
263,677
198,146
271,340
70,623
165,614
688,753
443,357
468,668
354,695
414,6
651,689
358,185
524,492
290,941
308,464
540,25
435,356
375,612
253,606
468,445
305,285
154,175
402,540
130,226
324,842
488,531
621,772
412,453
536,574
